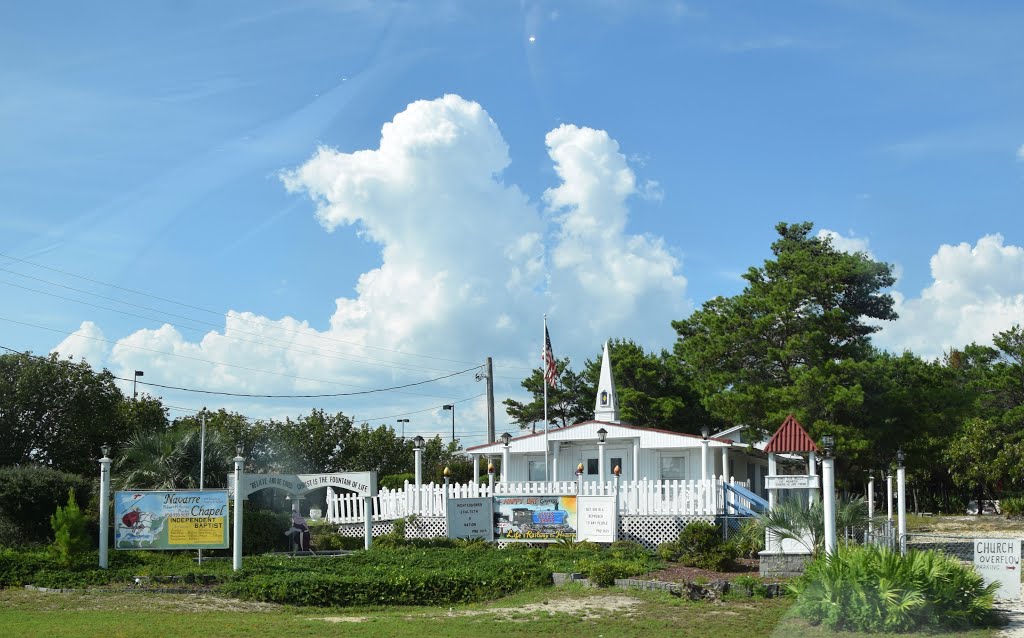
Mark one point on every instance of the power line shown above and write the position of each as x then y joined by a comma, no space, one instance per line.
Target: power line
239,394
353,358
214,312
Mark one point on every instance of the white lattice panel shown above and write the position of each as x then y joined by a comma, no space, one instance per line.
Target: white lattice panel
426,527
355,530
651,531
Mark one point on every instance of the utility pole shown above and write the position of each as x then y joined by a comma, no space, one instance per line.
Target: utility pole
489,373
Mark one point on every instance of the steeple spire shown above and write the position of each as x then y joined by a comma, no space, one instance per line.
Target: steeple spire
607,406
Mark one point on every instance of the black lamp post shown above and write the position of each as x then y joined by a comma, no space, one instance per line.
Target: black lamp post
135,381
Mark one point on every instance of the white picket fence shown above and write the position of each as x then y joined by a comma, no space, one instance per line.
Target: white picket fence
642,497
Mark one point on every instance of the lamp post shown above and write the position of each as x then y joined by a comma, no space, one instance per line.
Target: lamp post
828,487
417,446
104,505
871,502
451,406
704,432
403,422
901,500
447,478
602,436
616,471
236,551
506,457
135,381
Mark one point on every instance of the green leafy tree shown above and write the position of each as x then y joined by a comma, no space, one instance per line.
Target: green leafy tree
56,412
310,443
145,413
70,537
377,449
653,389
572,401
808,308
987,452
438,455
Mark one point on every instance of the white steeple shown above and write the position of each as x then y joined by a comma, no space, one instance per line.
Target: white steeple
607,406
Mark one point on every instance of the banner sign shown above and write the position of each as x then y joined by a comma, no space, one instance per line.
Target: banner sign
470,518
790,481
535,519
171,520
596,519
998,561
363,483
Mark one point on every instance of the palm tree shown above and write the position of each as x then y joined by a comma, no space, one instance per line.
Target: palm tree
792,520
169,459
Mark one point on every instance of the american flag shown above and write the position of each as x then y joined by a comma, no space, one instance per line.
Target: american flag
550,370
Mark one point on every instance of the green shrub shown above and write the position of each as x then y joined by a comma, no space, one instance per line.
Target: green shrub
1013,506
70,537
629,550
749,538
404,576
325,537
395,481
263,531
30,495
700,545
749,586
876,589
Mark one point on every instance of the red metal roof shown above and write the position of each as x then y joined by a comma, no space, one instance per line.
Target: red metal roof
791,437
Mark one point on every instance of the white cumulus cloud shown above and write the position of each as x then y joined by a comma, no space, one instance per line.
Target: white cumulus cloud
851,244
976,291
467,265
88,343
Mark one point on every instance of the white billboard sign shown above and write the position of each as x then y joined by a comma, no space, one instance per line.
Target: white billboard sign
998,561
596,519
470,518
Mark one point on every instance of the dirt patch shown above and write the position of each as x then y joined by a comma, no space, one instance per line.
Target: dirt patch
589,607
990,524
337,619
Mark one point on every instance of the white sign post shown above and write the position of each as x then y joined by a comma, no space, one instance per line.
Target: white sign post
596,519
471,518
998,561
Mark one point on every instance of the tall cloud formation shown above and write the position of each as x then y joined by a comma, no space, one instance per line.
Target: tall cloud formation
467,262
976,291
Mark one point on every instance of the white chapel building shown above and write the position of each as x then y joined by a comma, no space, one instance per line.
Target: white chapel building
641,453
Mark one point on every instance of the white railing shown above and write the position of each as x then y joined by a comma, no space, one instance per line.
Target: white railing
641,497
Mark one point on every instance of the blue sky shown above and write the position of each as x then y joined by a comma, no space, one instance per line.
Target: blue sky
613,164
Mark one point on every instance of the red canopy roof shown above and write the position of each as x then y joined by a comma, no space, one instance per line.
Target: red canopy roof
790,437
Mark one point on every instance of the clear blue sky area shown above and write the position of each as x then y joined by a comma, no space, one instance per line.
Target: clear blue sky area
612,164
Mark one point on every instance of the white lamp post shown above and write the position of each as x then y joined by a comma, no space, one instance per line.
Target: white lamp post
104,505
602,436
704,432
901,499
828,487
236,552
417,446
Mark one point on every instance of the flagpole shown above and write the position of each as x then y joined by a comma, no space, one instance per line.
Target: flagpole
544,382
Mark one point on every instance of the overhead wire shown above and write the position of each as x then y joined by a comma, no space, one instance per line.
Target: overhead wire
352,358
239,394
310,333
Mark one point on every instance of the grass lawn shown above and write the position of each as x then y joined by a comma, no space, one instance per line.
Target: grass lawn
570,611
